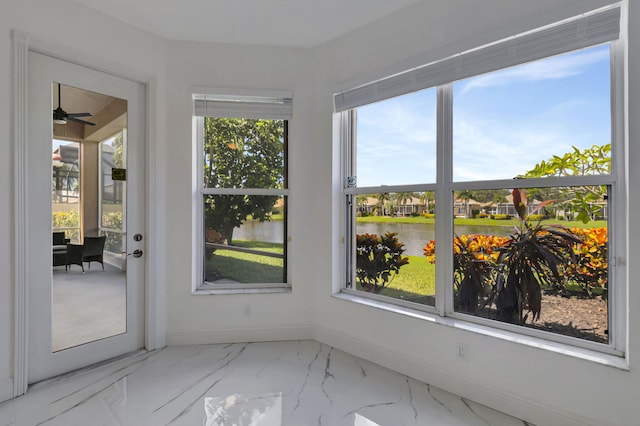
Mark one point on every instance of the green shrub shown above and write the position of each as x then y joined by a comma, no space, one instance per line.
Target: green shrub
378,260
69,221
429,215
66,219
536,217
482,215
112,220
500,217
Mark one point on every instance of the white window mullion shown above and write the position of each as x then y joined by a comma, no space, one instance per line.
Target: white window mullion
245,191
618,201
444,201
546,182
391,188
198,211
348,126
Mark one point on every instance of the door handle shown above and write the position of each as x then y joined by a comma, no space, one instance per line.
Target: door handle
136,253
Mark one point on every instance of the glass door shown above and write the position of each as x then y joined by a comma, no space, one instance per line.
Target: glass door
86,190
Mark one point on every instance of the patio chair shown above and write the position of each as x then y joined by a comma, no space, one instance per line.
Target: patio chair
59,239
74,256
59,249
93,250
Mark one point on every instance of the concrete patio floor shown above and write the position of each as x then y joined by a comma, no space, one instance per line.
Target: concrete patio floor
87,306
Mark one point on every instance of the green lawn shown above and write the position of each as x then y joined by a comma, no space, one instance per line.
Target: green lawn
247,267
479,221
415,282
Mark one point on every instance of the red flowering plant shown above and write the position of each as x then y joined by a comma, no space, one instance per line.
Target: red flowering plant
378,260
591,268
474,266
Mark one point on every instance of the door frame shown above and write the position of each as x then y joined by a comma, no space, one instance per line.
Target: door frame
21,45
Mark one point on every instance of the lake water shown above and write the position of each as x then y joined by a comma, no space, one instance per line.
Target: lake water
414,236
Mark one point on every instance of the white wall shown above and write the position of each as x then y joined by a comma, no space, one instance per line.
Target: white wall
74,31
221,318
534,384
543,387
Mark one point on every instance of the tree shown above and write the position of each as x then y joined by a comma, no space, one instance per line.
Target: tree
401,199
465,196
361,203
241,153
589,161
427,198
383,198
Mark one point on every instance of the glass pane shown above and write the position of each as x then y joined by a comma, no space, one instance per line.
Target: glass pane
396,141
65,186
112,195
89,288
244,153
507,122
523,257
245,239
393,231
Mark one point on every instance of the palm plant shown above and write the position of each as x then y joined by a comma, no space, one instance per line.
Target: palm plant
427,198
465,196
401,199
534,256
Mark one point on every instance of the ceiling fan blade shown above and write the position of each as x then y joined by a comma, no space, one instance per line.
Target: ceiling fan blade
79,114
77,120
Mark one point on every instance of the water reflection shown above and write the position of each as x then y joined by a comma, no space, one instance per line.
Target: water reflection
413,235
360,420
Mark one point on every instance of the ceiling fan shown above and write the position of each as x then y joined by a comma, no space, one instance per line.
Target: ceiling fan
60,116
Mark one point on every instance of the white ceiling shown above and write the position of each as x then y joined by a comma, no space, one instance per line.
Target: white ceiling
286,23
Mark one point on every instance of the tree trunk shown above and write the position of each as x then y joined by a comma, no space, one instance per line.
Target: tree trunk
227,232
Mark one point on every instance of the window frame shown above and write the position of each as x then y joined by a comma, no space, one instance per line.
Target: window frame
444,227
268,100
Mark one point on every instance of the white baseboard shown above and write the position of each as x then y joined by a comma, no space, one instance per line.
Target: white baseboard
6,389
239,335
507,403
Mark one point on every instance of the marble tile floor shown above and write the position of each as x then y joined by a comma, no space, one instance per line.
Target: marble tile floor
294,383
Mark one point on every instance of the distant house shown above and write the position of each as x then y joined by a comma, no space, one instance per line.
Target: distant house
372,206
465,208
508,208
411,206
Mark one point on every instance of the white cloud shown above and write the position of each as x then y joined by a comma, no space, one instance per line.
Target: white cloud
396,142
502,150
555,68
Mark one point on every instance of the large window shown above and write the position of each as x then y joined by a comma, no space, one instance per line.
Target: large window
515,169
65,189
242,145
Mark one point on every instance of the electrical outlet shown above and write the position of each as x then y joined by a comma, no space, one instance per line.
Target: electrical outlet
462,351
246,310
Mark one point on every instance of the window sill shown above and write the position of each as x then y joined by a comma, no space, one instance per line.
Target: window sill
608,360
212,289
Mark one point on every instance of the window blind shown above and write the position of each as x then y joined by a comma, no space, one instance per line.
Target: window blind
577,33
253,107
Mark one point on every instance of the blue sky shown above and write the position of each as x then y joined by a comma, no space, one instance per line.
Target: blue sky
503,122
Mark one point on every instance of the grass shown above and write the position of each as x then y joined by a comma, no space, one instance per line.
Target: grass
415,282
247,267
485,221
